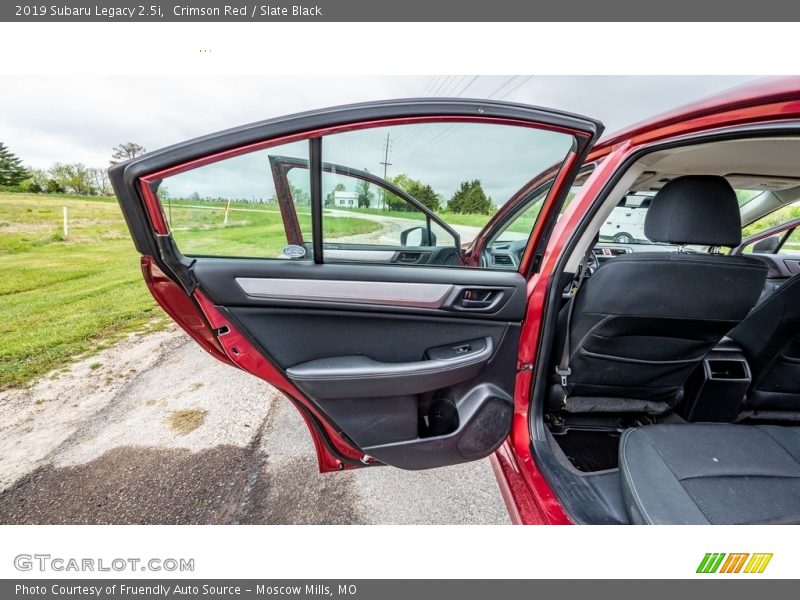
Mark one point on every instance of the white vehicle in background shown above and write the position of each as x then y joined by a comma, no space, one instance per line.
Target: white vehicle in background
625,224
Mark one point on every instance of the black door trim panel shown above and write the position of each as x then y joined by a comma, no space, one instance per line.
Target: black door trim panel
360,376
291,336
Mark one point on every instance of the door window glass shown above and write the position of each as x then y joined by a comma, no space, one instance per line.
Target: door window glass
414,194
449,179
237,207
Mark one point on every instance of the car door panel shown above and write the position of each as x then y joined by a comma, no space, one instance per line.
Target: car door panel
405,363
380,370
291,335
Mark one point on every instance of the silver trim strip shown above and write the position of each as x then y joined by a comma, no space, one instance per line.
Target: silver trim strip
421,295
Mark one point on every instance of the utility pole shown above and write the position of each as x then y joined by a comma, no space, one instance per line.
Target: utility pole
385,164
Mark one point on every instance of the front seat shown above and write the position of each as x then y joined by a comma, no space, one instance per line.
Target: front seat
770,338
644,321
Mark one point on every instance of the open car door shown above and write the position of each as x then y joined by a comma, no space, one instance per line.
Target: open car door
279,250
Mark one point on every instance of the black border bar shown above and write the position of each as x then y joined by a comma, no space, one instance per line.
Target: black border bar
406,11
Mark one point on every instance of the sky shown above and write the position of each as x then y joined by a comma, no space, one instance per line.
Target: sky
67,119
503,158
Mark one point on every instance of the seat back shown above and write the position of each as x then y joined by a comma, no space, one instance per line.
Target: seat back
770,338
644,321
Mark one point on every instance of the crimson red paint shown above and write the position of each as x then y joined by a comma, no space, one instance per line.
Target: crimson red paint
244,355
179,306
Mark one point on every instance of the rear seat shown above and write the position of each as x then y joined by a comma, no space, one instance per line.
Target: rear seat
703,473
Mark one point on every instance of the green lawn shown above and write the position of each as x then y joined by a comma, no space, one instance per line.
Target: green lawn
252,230
63,298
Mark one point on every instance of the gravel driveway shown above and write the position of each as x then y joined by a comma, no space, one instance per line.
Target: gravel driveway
154,430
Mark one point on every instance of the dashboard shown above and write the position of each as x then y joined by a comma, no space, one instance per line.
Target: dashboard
506,254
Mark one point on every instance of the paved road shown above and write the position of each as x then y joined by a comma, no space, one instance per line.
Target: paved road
389,234
156,431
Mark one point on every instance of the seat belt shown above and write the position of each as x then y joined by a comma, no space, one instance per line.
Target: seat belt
562,369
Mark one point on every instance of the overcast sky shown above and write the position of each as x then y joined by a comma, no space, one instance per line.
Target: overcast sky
48,119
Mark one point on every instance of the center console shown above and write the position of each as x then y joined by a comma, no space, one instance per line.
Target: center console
716,391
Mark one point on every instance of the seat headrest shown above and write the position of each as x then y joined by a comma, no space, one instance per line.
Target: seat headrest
695,209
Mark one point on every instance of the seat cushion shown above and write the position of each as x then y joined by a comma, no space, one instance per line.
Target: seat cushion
711,473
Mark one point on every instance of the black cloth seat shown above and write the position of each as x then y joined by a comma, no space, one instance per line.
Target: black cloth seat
770,338
644,321
711,473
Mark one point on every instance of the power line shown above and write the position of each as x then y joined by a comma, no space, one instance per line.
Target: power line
441,85
516,87
429,84
504,84
457,126
385,161
415,131
427,88
456,83
466,87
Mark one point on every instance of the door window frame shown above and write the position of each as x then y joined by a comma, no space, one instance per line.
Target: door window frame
584,133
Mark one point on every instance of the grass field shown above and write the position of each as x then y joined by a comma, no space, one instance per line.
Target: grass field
254,231
63,298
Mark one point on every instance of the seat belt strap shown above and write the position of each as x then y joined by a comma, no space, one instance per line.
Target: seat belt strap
562,369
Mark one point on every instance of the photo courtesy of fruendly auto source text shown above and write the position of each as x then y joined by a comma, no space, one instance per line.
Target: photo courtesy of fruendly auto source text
374,300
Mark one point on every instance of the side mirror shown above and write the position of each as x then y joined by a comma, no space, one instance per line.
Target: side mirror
767,245
417,236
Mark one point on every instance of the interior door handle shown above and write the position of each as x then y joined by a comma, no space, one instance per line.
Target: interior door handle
478,298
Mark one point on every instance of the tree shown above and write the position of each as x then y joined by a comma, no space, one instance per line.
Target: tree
54,187
299,195
38,181
126,151
100,182
471,199
365,195
12,173
425,194
76,178
420,191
